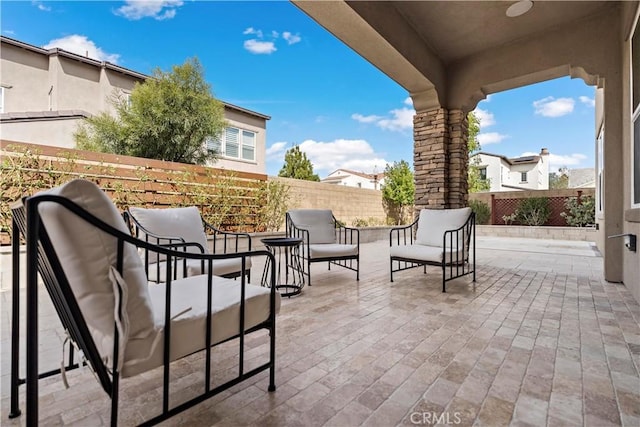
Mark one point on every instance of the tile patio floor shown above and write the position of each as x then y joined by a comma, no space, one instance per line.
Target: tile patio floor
542,340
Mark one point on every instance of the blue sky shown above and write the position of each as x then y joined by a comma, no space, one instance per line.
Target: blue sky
271,58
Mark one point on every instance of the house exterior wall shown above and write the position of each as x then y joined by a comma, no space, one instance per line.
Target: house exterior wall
249,122
504,176
352,180
54,83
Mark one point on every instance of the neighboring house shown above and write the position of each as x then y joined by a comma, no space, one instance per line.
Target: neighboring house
509,174
45,93
355,179
582,178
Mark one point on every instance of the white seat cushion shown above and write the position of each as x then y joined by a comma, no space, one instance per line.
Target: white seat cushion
425,253
332,250
432,224
319,223
188,330
87,256
221,267
175,222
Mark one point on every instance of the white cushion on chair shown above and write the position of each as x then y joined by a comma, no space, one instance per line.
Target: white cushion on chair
174,222
319,223
221,267
188,330
426,253
432,224
332,250
87,254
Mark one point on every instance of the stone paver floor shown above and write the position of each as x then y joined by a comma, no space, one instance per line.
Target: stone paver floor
542,340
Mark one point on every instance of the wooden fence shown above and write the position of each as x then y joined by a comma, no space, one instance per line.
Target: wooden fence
505,203
231,200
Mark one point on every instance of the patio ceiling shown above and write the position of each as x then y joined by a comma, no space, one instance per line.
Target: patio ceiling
422,45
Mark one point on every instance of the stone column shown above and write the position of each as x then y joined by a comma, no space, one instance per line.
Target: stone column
458,159
440,158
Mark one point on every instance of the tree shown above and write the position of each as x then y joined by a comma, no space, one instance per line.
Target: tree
559,180
167,117
398,191
475,181
297,165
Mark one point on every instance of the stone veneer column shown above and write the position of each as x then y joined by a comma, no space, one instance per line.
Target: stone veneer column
440,158
458,159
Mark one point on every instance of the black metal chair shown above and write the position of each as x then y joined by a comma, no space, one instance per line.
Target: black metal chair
78,244
185,226
441,237
324,239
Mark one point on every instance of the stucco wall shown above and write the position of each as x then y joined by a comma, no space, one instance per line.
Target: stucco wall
347,203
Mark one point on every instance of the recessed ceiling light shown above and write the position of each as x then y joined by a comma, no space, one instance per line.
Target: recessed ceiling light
519,8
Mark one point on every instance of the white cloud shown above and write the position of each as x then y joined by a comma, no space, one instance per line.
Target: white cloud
41,6
491,138
81,45
253,31
156,9
259,47
10,32
551,107
486,117
408,101
276,150
402,118
557,161
588,101
365,119
289,37
355,154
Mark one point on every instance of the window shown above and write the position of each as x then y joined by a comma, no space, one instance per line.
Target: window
635,108
523,177
600,172
234,143
483,174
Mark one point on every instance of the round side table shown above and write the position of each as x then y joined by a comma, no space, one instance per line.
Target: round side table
286,251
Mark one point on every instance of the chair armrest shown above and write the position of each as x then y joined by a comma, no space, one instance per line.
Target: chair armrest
346,234
230,239
403,235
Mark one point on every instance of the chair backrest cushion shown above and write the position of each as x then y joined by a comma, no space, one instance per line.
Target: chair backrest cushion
319,223
432,224
87,255
173,222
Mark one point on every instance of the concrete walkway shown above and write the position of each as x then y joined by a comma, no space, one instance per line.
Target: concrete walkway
541,339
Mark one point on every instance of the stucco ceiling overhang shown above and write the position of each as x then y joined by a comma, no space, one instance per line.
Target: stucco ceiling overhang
425,45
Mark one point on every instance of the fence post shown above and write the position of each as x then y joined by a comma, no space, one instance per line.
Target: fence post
579,197
493,209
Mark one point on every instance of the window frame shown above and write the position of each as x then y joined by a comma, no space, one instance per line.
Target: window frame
524,176
221,143
635,116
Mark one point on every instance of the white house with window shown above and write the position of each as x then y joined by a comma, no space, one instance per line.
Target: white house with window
45,93
355,179
518,173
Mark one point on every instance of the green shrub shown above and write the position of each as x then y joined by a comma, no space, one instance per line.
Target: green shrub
482,211
534,211
580,214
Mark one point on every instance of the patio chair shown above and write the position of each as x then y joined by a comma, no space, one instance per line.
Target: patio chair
324,239
79,244
185,226
440,237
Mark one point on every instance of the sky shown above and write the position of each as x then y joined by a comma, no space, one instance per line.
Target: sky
272,58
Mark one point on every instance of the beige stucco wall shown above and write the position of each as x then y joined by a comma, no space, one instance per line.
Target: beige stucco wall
347,203
631,217
37,81
241,120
